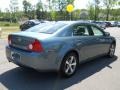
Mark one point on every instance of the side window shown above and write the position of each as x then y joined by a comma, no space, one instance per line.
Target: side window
96,31
67,32
32,23
80,30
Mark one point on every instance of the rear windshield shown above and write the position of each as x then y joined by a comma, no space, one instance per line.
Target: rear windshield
48,28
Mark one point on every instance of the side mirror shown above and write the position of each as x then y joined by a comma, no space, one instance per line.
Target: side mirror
107,34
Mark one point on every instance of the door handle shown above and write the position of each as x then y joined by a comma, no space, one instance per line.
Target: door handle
78,40
101,40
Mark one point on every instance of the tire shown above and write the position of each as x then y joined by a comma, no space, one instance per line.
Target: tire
111,51
69,65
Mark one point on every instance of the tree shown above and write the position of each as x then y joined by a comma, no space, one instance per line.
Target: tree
109,4
76,14
96,9
39,9
0,13
28,8
91,11
62,8
13,9
57,8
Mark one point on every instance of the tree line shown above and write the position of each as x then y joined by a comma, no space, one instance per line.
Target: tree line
56,10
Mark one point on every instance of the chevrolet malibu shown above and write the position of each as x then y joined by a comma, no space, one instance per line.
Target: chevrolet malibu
59,46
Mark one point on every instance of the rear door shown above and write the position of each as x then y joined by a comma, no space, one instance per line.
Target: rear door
84,41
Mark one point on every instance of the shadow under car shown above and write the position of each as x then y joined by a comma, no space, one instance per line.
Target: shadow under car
20,79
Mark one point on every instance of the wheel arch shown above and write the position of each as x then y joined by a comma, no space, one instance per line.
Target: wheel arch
114,42
70,51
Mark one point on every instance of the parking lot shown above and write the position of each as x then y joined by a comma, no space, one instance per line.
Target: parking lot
100,74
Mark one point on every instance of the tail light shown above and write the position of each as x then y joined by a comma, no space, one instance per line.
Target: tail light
35,46
9,39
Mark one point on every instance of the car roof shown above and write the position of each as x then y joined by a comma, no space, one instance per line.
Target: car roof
75,22
33,20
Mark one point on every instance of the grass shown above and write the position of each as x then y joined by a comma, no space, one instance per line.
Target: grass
8,24
8,30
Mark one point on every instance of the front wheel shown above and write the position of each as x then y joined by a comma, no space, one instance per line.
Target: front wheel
111,51
69,65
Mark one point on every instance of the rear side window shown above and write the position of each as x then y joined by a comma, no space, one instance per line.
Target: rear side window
96,31
80,30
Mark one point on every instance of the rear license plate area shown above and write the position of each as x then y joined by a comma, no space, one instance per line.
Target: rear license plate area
15,56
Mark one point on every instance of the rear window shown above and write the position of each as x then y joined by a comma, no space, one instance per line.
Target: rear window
48,28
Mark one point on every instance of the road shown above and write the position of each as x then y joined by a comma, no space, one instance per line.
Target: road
3,43
99,74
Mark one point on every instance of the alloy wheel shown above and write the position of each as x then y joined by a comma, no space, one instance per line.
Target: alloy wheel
112,50
70,65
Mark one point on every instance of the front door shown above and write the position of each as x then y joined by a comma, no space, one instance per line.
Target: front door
84,41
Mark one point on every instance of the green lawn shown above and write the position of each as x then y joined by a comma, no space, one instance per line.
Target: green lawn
8,24
7,30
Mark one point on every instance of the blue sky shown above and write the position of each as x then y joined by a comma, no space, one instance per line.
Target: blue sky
79,4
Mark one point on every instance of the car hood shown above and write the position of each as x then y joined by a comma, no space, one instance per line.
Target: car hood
36,35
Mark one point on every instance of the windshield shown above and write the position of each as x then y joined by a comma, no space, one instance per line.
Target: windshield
48,28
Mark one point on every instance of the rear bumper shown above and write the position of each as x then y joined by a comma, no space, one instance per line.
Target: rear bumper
38,61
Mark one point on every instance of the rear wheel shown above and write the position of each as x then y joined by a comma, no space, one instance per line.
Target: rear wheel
69,65
111,50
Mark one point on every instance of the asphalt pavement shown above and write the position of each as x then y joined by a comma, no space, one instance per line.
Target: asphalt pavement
100,74
3,43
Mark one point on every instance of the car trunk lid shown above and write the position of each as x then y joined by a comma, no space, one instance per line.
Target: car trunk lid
23,39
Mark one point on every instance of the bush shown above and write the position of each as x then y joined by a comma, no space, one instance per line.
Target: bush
7,24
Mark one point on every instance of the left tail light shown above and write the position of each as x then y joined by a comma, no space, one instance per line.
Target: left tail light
9,39
35,46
